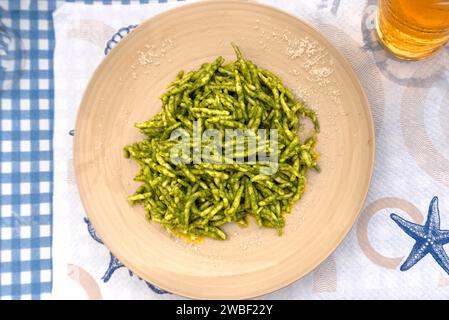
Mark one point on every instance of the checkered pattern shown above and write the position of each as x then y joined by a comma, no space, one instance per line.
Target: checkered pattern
26,153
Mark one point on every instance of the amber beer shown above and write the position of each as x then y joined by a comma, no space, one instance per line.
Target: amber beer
413,29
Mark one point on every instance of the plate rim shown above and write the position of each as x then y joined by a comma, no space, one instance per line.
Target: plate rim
364,104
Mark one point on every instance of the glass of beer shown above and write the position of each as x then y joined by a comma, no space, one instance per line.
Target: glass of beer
413,29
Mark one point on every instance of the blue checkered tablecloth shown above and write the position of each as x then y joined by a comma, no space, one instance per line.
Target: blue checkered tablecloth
26,152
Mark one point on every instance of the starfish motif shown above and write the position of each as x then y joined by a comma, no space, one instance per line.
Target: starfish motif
92,231
429,238
115,263
119,35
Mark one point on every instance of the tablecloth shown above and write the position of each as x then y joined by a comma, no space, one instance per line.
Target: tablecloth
381,256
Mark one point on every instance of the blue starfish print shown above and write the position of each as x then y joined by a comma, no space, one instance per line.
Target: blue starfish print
119,35
429,238
114,263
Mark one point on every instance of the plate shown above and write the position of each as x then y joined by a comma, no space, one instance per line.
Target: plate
125,89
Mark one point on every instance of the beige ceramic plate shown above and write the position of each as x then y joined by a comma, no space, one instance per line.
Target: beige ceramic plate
125,89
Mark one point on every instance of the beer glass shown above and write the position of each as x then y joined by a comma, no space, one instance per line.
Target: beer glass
413,29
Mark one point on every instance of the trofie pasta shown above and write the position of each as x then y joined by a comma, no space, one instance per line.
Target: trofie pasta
193,193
